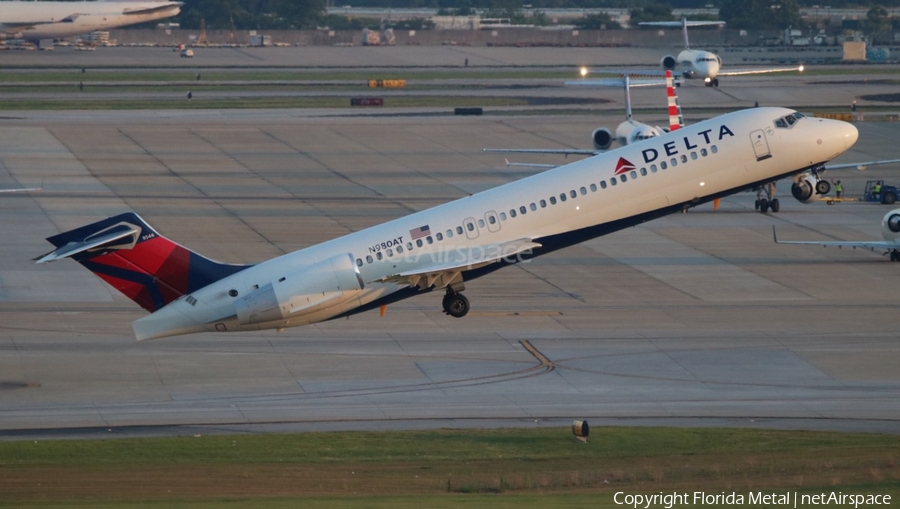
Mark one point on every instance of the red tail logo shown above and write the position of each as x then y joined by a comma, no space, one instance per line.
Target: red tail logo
623,165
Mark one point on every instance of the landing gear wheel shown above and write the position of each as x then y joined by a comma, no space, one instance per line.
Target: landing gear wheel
895,256
764,205
775,205
822,187
456,305
715,82
756,204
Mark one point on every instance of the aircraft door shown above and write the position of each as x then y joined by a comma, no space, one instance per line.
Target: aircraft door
493,223
760,144
470,227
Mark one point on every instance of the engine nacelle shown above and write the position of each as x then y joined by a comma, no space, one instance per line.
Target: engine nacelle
668,63
890,225
804,188
319,286
602,138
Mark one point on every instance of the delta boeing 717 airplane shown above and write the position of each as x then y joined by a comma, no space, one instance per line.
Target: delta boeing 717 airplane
445,247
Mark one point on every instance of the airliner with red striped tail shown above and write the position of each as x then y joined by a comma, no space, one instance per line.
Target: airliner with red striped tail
449,246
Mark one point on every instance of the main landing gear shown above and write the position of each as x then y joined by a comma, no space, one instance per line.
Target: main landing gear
895,255
455,304
712,83
765,204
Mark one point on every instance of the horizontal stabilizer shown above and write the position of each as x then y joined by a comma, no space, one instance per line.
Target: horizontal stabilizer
117,235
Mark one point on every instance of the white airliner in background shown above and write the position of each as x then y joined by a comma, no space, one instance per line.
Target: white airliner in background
51,20
443,247
629,131
693,63
890,231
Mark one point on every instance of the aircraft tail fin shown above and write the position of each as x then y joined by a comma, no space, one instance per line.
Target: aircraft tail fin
131,256
676,119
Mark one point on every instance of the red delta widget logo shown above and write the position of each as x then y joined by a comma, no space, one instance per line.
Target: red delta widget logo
690,143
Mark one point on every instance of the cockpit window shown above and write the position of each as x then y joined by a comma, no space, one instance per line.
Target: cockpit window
789,120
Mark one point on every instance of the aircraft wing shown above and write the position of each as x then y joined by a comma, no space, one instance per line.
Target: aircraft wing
860,166
618,82
21,190
164,6
682,23
757,70
443,273
873,244
564,151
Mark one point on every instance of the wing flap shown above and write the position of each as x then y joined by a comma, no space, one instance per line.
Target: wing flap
873,244
443,273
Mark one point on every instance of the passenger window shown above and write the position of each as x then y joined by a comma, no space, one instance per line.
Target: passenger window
470,227
459,230
613,181
390,253
503,216
683,158
583,191
429,239
439,236
359,262
512,212
399,249
623,177
419,242
663,165
369,259
543,204
713,149
573,194
553,200
644,171
522,209
674,162
703,152
694,156
652,168
492,219
602,184
562,197
593,188
481,223
633,174
533,207
409,246
449,234
379,256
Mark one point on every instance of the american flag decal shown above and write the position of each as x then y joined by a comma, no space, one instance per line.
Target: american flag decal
418,233
623,165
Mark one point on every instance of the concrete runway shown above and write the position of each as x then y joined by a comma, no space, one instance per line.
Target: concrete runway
694,319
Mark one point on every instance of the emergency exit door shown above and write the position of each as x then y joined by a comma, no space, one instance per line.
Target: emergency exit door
760,145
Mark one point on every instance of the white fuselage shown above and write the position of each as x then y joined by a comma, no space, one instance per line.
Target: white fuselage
50,20
698,64
712,158
632,131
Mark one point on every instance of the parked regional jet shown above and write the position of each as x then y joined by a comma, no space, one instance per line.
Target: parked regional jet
890,231
51,20
629,131
443,247
697,64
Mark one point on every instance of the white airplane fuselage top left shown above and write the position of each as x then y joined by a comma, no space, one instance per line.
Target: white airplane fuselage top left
445,246
51,20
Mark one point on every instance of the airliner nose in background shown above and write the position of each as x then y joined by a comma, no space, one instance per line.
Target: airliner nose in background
50,20
447,246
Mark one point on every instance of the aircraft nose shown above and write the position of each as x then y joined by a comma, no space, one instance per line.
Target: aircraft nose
849,133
